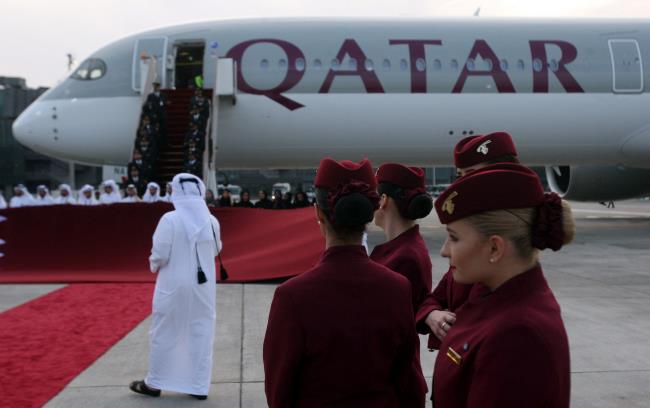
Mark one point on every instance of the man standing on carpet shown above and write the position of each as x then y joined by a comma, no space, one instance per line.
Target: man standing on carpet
185,244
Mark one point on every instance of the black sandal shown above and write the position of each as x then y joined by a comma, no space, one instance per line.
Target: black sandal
142,388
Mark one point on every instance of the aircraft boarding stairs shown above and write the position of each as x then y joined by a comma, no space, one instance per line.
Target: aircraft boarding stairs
171,158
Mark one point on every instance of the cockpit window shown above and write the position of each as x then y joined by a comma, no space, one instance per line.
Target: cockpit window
90,69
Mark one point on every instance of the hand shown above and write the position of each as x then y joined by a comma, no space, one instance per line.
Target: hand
440,321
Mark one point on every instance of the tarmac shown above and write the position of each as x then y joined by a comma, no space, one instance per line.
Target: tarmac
602,282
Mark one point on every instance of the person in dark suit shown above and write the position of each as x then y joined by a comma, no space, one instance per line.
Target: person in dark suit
193,166
137,180
245,200
145,167
301,200
342,334
263,200
199,102
195,135
507,348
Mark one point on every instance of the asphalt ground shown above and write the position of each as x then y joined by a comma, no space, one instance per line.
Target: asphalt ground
602,282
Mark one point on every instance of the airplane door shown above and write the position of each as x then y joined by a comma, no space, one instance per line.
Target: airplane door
156,47
627,67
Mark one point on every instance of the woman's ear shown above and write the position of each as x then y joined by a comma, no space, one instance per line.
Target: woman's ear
320,216
497,248
383,201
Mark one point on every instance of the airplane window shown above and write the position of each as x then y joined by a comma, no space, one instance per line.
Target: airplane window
336,64
300,64
454,65
471,65
90,69
488,64
403,65
521,65
553,65
504,65
369,65
537,65
317,64
264,64
420,65
282,63
386,65
352,64
437,65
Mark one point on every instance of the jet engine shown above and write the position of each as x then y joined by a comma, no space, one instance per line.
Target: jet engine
598,183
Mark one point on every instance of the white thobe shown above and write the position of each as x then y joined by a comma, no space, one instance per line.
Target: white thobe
47,200
183,315
22,201
65,200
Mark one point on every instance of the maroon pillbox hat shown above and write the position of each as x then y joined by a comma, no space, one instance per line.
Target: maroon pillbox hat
332,173
406,177
473,150
495,187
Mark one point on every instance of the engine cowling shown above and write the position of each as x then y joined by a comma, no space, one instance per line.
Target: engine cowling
598,183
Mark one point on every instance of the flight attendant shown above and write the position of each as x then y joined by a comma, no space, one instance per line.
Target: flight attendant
404,200
342,334
437,311
508,347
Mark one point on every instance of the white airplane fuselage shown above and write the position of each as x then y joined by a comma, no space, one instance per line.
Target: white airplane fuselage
570,92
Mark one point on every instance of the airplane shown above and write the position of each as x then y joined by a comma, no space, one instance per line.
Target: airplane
571,93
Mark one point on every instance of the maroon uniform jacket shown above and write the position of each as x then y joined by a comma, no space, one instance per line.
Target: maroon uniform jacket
407,255
448,295
342,335
507,349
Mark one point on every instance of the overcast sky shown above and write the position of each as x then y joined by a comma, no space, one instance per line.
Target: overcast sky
36,35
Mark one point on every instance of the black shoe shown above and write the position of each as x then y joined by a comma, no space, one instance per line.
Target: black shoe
199,397
141,388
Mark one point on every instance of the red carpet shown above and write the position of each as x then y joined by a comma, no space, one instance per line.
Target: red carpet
47,342
111,243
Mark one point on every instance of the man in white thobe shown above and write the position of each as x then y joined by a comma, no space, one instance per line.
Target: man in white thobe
152,195
43,196
21,197
65,195
111,193
181,337
87,195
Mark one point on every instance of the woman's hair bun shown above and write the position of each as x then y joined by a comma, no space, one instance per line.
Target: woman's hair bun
419,207
353,210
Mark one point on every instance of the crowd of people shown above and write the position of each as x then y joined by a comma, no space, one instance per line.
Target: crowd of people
345,332
280,201
136,190
107,193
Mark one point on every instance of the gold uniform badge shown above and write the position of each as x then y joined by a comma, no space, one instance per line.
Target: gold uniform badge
448,206
453,355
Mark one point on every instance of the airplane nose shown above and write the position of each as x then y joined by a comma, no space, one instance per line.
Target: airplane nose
23,127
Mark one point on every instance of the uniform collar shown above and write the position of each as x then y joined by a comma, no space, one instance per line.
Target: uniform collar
401,238
334,252
521,284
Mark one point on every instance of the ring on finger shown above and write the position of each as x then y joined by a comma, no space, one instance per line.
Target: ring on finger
443,324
